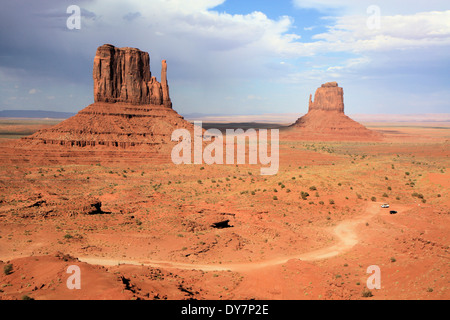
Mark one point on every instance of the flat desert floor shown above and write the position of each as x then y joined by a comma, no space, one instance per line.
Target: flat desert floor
227,232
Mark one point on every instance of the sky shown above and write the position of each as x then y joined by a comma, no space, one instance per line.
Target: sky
235,56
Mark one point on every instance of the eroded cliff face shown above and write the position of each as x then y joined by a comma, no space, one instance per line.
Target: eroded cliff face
123,75
329,97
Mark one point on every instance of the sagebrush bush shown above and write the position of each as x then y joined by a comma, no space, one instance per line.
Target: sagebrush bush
7,269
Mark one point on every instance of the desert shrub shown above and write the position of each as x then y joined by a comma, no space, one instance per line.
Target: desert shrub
25,297
68,236
373,199
313,188
7,269
407,173
418,195
366,293
275,198
438,195
304,195
385,195
321,202
389,188
393,259
331,201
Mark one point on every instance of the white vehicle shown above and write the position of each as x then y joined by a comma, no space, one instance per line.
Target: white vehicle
385,205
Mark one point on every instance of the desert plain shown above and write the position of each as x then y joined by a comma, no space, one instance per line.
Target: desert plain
151,229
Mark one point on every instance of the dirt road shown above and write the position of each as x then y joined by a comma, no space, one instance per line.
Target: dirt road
344,231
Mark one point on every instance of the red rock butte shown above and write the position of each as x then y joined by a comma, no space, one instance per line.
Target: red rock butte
131,117
123,75
326,120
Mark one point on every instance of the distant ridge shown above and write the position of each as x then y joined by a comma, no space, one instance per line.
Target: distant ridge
35,114
288,118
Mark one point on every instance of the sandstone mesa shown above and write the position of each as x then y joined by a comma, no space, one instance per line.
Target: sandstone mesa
131,112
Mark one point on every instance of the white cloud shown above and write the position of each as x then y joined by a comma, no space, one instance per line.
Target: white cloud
254,97
350,33
33,91
386,6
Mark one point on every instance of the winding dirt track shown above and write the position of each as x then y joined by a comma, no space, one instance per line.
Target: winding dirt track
345,232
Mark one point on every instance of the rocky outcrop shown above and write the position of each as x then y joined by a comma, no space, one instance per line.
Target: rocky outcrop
329,97
123,75
131,119
326,120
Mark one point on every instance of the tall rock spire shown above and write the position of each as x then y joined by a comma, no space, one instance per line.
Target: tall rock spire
165,85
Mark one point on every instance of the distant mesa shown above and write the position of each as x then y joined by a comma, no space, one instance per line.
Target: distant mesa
131,117
38,114
326,119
